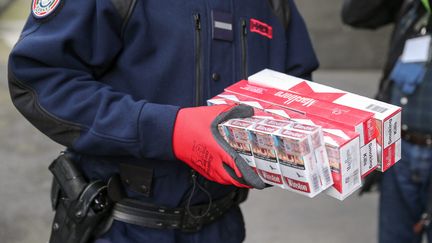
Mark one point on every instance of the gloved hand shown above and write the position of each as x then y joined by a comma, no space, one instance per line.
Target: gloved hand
373,180
198,143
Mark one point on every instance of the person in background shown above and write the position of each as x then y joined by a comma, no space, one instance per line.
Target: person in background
123,84
405,192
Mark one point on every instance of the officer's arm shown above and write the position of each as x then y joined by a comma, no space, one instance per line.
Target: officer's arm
53,81
370,14
301,58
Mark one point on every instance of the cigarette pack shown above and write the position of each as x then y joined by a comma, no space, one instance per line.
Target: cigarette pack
265,155
343,153
387,117
297,162
319,150
236,134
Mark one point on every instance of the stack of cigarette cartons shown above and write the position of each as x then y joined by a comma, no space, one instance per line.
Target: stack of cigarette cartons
341,144
342,148
387,117
307,137
345,117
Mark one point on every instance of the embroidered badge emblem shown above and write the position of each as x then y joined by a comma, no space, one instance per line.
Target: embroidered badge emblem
261,28
43,8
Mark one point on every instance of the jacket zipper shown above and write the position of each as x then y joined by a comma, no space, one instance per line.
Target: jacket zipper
198,61
244,48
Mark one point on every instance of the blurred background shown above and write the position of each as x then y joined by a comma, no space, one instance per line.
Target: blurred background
350,59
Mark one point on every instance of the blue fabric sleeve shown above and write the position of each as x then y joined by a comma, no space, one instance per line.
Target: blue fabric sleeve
54,80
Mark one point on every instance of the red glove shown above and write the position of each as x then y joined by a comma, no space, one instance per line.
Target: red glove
198,143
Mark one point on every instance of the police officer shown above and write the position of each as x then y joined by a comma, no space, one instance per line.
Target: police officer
122,85
406,197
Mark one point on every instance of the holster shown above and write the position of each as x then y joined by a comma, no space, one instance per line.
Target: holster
82,208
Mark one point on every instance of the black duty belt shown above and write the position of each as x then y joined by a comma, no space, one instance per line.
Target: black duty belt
417,138
148,215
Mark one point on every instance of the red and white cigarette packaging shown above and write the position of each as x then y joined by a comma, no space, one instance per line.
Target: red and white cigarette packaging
237,136
220,101
319,149
297,162
242,99
342,147
368,150
352,118
264,153
229,99
343,153
368,158
387,117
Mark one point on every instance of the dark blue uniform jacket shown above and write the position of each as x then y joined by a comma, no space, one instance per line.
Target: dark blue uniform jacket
106,78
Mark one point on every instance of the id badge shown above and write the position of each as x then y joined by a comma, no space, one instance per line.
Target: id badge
417,49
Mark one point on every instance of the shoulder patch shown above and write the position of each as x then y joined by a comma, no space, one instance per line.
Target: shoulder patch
43,8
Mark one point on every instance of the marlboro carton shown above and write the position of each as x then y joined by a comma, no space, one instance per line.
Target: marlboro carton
342,147
265,155
236,134
387,117
297,162
354,119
